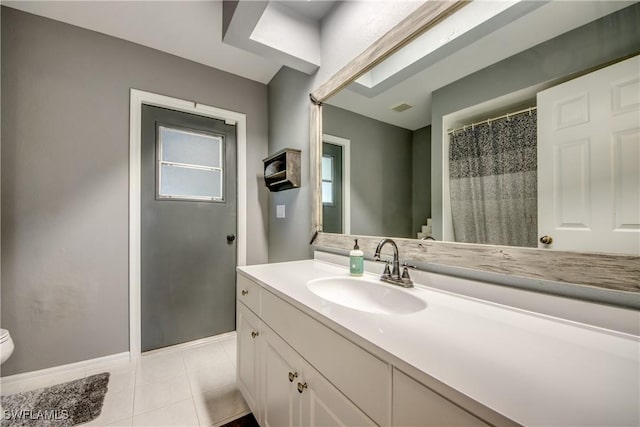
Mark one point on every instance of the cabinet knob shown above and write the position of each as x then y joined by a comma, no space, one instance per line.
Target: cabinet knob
301,387
254,334
245,292
292,375
546,240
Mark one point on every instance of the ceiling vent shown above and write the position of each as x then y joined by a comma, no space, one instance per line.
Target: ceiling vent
401,107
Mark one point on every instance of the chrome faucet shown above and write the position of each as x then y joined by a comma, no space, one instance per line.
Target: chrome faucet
393,276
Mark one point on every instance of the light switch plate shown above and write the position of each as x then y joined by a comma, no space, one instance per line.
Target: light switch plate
280,211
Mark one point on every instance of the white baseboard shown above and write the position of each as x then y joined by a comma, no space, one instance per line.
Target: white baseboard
195,343
84,364
113,358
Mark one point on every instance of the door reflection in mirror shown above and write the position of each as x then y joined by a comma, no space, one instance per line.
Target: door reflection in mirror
332,187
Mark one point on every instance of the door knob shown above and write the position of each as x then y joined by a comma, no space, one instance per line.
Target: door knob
301,387
230,238
254,334
546,240
292,375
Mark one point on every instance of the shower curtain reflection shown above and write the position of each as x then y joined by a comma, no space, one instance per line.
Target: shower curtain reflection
493,181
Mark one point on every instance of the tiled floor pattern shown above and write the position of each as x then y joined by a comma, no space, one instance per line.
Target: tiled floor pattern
194,386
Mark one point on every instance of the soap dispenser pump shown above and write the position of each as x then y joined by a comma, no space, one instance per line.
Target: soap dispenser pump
356,260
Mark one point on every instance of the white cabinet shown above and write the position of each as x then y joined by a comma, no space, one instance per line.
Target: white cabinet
363,377
415,405
296,394
248,332
324,405
280,375
249,293
294,371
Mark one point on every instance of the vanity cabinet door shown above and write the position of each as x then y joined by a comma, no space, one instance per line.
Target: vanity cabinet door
248,359
280,376
416,405
363,377
325,405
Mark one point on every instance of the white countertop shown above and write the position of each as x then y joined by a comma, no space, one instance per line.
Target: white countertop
532,368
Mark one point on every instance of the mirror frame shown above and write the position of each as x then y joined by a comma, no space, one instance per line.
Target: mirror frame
605,272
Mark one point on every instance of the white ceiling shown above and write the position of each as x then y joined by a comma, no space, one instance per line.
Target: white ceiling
314,10
275,30
188,29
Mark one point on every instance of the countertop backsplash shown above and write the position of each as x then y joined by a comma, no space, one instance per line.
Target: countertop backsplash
603,278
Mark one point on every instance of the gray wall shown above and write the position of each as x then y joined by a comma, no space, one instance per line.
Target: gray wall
381,172
604,40
289,128
421,186
348,29
65,136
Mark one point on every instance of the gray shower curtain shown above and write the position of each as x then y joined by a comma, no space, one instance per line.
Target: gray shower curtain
493,182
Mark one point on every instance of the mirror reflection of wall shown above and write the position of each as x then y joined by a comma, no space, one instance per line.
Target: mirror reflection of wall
401,166
390,175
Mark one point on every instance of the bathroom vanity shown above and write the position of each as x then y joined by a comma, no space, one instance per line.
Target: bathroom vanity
317,347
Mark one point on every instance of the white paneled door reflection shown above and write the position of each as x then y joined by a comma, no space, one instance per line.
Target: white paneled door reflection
589,161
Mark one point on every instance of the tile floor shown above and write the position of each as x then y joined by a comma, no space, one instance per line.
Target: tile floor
194,386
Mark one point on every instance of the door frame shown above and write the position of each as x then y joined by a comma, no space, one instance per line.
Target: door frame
346,178
137,99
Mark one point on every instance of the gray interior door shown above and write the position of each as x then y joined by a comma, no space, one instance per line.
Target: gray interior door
331,188
188,219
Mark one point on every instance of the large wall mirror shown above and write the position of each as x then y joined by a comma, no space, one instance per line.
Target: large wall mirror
508,123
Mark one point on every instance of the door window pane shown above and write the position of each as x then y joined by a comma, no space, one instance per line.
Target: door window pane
190,165
327,192
185,182
327,180
181,146
327,168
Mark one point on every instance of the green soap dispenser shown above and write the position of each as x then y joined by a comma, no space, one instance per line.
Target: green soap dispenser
356,261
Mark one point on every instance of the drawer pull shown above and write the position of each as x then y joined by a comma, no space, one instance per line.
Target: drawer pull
254,334
245,292
301,387
292,375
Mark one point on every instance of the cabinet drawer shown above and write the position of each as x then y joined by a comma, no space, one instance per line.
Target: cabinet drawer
415,405
368,386
249,293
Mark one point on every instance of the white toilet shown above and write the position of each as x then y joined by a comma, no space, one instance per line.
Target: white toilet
6,345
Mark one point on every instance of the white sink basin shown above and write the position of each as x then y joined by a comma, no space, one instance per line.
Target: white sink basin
367,295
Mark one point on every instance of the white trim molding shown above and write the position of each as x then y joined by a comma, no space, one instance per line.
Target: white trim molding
191,344
138,98
70,367
346,178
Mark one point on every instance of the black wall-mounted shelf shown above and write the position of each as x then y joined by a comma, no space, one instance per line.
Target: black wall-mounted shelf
282,170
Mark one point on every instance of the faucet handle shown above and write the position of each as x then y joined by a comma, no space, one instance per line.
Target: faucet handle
405,265
406,279
386,273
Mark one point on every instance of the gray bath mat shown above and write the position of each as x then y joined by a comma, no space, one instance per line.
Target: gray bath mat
61,405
